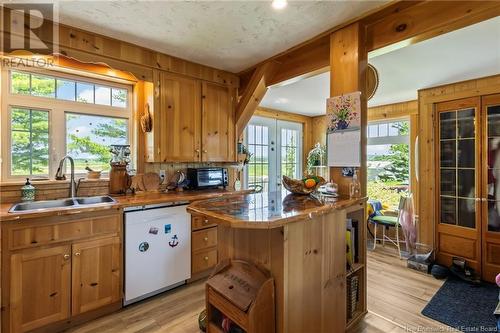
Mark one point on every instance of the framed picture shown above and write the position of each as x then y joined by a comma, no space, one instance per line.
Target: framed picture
344,112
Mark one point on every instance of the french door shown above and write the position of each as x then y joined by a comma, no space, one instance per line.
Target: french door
491,191
276,148
468,182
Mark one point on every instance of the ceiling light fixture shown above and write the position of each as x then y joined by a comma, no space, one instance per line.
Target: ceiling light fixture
279,4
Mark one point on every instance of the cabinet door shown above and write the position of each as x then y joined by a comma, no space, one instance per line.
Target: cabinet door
218,128
39,287
96,274
180,119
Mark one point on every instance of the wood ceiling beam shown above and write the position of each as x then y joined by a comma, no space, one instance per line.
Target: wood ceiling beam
254,92
426,20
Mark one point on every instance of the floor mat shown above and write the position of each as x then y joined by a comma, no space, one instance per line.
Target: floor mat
464,307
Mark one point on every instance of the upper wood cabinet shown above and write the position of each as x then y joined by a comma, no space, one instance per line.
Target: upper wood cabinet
180,128
218,128
193,121
40,287
95,274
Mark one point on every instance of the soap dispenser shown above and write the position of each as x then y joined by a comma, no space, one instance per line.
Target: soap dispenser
27,191
355,186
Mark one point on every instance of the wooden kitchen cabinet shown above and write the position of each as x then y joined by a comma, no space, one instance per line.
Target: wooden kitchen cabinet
193,121
203,246
40,287
95,274
218,126
60,270
180,128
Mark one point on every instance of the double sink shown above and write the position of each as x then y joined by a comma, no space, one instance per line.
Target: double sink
81,202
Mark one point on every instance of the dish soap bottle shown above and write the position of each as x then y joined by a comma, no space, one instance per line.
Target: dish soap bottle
355,186
27,191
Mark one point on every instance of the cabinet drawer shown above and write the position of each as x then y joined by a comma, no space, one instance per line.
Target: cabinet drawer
203,260
59,230
201,222
203,239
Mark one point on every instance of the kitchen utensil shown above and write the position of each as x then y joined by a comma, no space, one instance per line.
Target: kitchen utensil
151,181
137,183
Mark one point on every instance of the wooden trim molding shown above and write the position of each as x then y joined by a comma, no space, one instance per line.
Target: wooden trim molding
253,94
393,111
427,19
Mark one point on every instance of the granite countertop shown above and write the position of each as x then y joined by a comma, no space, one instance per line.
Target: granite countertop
264,211
141,199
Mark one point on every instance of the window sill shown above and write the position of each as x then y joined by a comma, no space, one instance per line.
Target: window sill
50,181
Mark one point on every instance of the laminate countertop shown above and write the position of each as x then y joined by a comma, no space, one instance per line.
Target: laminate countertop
268,210
140,199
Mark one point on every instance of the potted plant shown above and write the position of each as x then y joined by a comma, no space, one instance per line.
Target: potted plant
316,157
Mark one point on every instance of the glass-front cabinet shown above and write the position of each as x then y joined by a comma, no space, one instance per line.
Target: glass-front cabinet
468,182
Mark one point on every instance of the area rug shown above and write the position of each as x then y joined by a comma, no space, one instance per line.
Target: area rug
464,307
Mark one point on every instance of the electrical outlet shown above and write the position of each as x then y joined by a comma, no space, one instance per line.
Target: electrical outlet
162,175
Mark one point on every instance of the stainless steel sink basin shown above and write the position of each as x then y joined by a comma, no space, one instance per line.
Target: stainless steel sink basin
61,203
95,200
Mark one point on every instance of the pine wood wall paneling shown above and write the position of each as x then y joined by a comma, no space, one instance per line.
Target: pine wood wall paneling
130,57
427,99
348,62
393,111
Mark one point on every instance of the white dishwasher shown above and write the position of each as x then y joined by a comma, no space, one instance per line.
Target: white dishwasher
157,249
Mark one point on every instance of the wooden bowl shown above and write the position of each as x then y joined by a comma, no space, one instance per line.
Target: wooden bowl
93,174
297,186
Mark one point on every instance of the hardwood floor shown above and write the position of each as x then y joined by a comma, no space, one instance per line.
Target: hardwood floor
396,296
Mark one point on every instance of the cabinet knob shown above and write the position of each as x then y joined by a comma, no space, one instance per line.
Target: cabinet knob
66,256
205,221
205,151
205,239
206,258
197,150
77,254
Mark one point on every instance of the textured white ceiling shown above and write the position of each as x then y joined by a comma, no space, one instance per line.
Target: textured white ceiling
230,35
465,54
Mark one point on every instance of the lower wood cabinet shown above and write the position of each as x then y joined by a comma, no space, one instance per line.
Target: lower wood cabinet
95,274
40,290
203,246
48,283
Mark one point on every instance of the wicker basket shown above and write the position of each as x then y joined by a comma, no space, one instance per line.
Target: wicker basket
298,187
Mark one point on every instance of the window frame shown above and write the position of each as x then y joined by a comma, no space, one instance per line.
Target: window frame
57,109
388,139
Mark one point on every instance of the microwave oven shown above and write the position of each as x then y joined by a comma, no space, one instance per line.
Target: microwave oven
210,177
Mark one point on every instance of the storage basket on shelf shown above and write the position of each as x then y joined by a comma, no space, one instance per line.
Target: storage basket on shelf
240,298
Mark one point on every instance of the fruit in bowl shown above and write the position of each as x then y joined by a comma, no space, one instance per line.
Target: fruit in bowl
306,185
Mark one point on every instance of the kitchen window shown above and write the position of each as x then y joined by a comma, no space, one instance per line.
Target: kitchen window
52,114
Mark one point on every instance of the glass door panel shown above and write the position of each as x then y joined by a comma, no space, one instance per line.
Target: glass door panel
260,142
493,169
276,148
457,172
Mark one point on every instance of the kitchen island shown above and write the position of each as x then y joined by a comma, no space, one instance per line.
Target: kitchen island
301,241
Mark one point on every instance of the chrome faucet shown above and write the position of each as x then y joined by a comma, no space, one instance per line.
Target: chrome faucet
60,175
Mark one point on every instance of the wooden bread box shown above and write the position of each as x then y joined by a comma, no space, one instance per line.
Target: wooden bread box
240,298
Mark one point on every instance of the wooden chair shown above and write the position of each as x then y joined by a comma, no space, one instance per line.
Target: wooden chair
388,221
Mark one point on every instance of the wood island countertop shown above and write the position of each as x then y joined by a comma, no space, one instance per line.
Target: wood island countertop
122,201
267,210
